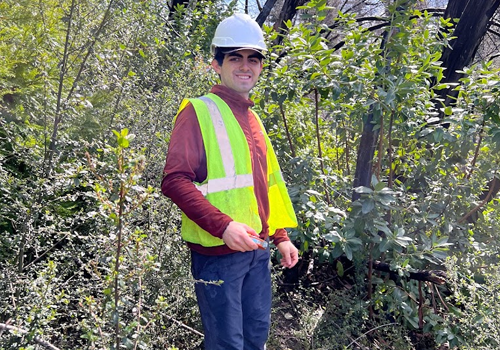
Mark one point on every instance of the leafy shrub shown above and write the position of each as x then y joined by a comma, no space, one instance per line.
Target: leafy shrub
474,318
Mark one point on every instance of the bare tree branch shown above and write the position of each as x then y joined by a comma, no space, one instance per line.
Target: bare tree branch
59,112
264,13
493,32
495,24
494,56
22,331
435,276
184,326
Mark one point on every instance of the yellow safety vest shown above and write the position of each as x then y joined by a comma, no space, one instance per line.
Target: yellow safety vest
229,183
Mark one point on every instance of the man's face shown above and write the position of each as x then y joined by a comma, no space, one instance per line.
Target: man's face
240,71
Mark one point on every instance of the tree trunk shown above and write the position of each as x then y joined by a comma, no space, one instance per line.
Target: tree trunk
474,21
368,141
266,10
366,152
475,18
288,12
455,8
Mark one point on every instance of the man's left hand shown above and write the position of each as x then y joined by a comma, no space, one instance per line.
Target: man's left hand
289,253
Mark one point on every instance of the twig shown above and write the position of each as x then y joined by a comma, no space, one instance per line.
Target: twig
59,116
441,298
7,323
318,139
486,199
420,306
476,152
493,56
47,251
292,304
184,326
433,297
37,339
370,283
369,331
292,149
352,342
139,307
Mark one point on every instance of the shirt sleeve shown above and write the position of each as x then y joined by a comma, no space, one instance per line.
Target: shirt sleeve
186,162
280,236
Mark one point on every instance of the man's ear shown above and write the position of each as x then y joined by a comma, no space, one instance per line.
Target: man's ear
216,67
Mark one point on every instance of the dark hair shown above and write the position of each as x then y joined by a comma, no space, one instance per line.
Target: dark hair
221,52
219,55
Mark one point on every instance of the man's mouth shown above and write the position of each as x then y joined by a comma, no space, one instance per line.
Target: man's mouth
244,77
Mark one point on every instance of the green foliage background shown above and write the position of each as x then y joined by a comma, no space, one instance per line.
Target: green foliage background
90,252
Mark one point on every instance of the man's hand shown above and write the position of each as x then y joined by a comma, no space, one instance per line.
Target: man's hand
236,237
290,254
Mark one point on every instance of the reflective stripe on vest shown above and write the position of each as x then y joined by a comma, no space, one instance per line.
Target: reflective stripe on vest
231,180
229,183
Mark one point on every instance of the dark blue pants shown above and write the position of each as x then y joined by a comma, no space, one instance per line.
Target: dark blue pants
237,313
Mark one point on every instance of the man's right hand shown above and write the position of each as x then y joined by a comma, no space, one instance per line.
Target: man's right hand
236,237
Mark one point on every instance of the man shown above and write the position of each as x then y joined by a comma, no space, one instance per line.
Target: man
223,174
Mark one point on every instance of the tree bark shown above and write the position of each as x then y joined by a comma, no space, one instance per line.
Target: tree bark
455,8
288,12
475,17
266,10
368,141
366,152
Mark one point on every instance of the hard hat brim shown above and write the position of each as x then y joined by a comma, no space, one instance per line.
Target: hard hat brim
232,49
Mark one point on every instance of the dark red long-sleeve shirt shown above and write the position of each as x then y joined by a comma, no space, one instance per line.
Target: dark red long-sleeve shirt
186,162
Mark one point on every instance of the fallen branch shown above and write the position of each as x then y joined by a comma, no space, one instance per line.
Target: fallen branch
369,331
434,276
37,339
179,323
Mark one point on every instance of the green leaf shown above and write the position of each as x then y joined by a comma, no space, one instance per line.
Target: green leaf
442,242
355,241
363,189
379,186
308,64
340,269
384,246
403,241
123,142
368,206
348,252
333,236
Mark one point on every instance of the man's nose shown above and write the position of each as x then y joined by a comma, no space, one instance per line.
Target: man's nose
244,65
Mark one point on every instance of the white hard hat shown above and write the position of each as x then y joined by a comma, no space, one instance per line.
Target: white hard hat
239,31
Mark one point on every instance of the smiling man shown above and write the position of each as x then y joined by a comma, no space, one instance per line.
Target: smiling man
239,70
223,174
